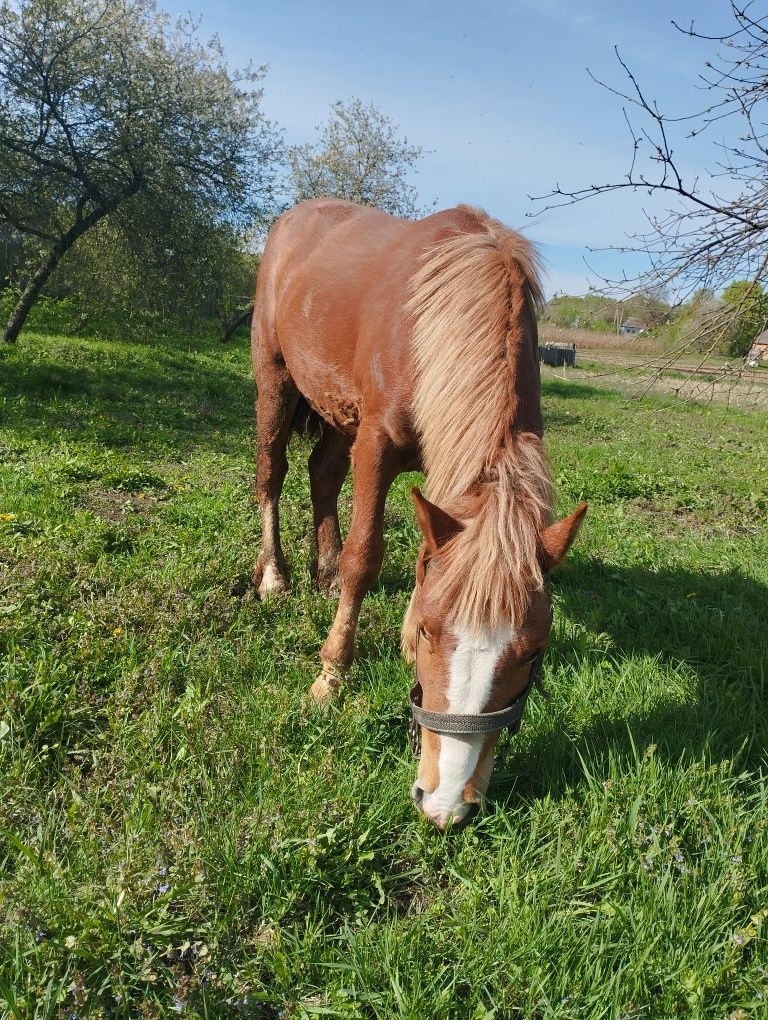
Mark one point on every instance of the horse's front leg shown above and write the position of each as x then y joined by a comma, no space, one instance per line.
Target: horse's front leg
375,463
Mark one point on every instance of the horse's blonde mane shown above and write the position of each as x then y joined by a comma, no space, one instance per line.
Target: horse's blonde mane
471,307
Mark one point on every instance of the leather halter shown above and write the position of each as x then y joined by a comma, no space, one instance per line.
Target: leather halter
480,722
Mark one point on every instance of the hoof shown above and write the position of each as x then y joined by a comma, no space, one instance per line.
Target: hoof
269,581
327,686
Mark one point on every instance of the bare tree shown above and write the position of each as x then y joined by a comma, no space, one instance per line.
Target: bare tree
710,231
101,101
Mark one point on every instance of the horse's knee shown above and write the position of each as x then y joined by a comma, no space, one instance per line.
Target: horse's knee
360,565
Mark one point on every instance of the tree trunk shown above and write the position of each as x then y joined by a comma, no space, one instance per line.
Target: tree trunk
234,322
34,285
37,281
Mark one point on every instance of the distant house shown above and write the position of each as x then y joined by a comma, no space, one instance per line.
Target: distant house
631,327
759,350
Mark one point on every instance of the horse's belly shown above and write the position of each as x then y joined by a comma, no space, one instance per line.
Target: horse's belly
340,411
328,390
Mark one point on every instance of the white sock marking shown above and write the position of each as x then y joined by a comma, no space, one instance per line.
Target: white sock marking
271,580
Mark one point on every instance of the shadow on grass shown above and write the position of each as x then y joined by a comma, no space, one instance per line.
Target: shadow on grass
713,624
709,624
128,395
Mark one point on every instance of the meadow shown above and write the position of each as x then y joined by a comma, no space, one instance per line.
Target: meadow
182,834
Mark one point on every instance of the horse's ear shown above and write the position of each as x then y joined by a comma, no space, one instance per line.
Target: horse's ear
558,538
436,525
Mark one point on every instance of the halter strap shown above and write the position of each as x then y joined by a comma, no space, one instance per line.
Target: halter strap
478,723
482,722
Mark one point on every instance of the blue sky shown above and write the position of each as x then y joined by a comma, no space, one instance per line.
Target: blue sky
497,90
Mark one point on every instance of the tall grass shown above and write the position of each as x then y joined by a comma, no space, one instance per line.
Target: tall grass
180,834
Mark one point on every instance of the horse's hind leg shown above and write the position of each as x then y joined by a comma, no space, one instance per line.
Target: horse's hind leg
328,466
275,406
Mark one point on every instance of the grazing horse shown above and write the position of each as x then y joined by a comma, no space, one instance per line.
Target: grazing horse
415,345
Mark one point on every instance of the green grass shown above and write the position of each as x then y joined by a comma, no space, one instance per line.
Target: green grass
181,834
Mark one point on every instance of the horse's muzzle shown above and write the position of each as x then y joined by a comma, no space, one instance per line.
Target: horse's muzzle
456,820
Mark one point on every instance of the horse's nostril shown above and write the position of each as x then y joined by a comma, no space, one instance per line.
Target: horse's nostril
417,794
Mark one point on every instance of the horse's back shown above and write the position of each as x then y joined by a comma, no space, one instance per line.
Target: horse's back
331,302
332,247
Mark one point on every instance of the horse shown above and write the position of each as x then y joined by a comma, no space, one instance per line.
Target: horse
413,346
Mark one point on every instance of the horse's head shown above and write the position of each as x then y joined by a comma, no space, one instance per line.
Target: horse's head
470,670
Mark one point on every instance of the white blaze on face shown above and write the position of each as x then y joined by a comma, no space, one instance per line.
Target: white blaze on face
472,669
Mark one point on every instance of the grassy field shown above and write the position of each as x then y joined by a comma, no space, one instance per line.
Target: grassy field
181,834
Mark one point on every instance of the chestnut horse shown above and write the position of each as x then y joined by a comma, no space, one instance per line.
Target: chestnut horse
415,345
